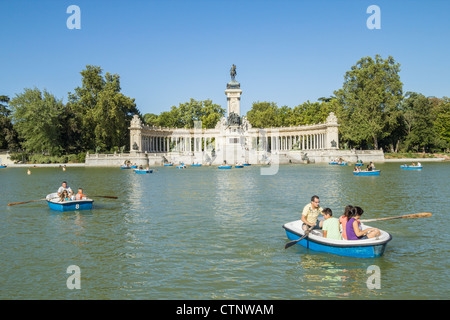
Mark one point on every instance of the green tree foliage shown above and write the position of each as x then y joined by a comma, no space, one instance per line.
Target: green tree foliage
37,119
8,136
101,113
185,115
369,101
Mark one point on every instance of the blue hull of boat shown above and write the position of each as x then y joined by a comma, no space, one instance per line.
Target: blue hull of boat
71,205
247,164
366,173
168,165
3,166
125,167
143,171
224,167
196,165
358,164
369,251
239,166
405,167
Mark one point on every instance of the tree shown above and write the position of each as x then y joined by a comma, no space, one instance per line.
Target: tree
37,119
369,100
264,115
420,134
101,112
8,136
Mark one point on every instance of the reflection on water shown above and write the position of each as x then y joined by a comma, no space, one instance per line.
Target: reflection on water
204,233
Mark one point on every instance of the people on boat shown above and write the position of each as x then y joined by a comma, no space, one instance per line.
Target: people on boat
80,195
63,187
357,169
353,227
64,196
344,219
311,213
331,225
369,167
419,164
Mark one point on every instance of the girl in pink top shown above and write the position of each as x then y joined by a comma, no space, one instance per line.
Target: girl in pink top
343,220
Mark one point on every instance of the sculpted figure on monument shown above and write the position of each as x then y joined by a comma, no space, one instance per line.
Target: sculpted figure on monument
233,72
234,119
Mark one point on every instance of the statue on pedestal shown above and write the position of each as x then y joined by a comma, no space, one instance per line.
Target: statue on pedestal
233,72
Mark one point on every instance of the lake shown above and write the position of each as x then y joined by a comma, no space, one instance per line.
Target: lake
204,233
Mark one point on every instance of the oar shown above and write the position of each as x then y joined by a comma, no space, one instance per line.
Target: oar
295,241
406,216
109,197
14,203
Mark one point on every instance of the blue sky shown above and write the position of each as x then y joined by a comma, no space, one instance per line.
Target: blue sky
167,52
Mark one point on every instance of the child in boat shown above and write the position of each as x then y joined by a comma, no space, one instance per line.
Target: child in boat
343,220
80,195
64,196
353,227
330,225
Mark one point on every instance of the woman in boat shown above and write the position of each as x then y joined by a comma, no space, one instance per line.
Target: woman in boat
353,227
64,196
343,220
356,169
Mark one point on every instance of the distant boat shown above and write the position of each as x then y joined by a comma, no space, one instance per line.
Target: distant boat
133,167
337,163
239,166
168,165
404,166
125,167
3,166
224,167
358,164
71,205
196,165
368,248
181,167
143,171
246,164
367,173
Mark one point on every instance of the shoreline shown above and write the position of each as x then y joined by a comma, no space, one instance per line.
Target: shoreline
57,165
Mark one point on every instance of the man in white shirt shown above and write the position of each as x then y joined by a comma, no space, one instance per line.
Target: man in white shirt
65,187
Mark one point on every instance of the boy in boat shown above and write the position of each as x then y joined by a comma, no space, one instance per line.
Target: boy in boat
65,187
80,195
310,214
330,225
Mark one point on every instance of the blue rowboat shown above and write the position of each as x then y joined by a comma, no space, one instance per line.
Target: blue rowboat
333,163
143,171
367,173
181,167
168,165
224,167
133,167
239,166
410,167
247,164
125,167
368,248
196,165
358,164
3,166
72,205
337,163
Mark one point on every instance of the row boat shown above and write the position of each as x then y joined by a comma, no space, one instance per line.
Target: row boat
196,165
224,167
368,248
168,165
239,166
358,164
181,167
404,166
337,163
125,167
143,171
72,205
246,164
3,166
367,173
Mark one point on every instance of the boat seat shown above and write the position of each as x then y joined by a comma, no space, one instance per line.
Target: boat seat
317,232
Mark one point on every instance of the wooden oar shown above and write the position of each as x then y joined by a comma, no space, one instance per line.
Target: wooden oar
295,241
406,216
109,197
14,203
